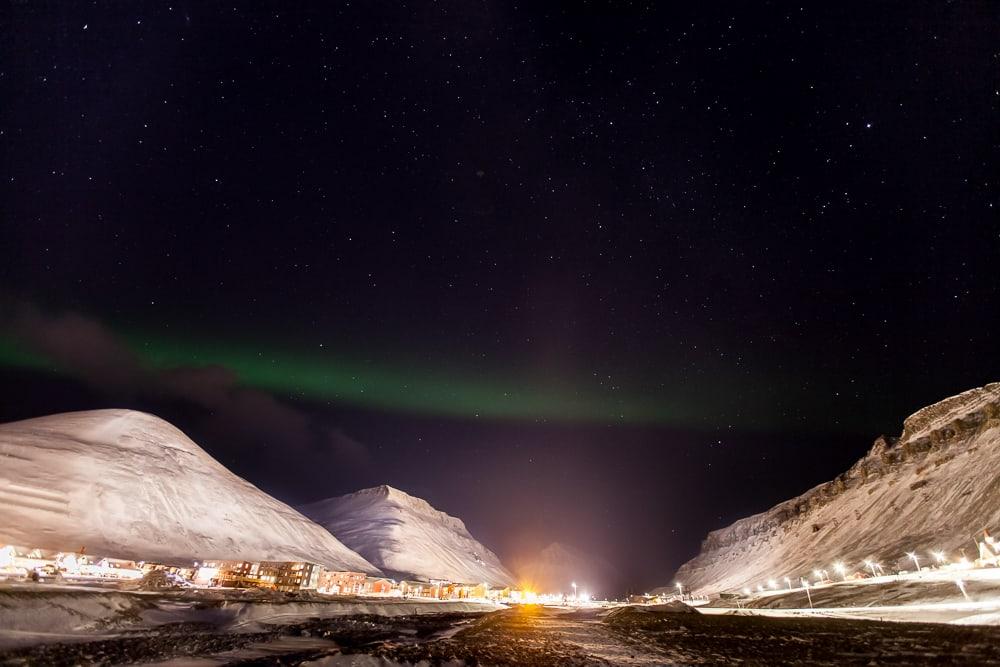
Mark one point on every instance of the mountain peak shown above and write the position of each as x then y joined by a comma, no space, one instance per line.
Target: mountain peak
129,484
407,536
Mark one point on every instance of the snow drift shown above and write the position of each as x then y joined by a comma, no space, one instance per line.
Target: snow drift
128,484
933,487
407,537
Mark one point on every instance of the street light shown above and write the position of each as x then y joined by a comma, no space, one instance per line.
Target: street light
871,566
841,570
788,582
680,589
961,587
772,584
574,589
916,561
939,557
805,585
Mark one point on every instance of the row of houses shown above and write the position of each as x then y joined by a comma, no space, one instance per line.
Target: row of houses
300,575
286,576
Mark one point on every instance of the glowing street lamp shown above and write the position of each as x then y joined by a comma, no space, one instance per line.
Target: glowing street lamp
805,585
772,584
841,570
760,588
916,561
961,587
871,566
939,557
574,589
788,582
747,592
680,589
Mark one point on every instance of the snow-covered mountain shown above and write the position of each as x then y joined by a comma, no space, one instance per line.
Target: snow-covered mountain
556,567
404,535
932,488
128,484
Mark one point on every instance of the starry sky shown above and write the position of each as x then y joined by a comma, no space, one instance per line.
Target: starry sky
607,274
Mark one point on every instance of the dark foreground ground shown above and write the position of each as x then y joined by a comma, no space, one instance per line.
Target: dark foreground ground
537,636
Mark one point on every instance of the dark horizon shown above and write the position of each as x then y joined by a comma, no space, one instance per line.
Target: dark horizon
613,276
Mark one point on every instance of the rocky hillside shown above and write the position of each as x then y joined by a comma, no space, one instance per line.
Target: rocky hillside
127,484
933,487
407,537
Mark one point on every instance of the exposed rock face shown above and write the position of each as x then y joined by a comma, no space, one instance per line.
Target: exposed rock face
933,487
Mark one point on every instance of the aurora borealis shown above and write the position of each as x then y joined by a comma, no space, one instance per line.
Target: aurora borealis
320,378
572,272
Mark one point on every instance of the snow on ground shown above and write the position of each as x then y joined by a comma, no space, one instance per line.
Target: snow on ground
127,484
933,489
404,535
33,613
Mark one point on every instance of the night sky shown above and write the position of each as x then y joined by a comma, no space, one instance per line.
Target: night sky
608,275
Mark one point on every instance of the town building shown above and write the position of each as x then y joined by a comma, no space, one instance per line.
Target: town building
381,586
341,583
276,575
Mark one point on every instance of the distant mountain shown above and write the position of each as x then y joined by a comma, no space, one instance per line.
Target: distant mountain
557,566
932,488
404,535
128,484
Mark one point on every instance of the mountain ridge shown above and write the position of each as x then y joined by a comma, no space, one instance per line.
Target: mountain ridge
129,484
931,487
405,535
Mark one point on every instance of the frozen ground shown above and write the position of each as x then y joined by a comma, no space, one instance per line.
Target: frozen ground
174,631
930,596
33,614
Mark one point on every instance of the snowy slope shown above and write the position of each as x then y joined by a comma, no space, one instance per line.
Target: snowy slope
557,566
934,487
128,484
404,535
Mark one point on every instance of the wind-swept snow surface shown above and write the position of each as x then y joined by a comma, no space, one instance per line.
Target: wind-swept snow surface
128,484
404,535
933,488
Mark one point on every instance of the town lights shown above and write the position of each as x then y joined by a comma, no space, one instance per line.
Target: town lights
916,561
760,588
574,589
939,557
680,589
772,584
747,592
871,566
841,570
788,582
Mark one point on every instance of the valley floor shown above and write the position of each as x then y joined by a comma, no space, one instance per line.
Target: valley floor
527,635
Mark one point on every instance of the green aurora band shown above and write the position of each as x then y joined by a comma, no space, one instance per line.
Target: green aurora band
320,377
